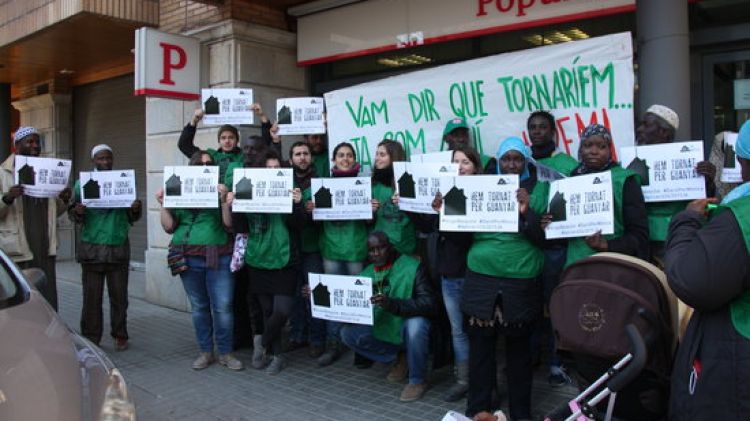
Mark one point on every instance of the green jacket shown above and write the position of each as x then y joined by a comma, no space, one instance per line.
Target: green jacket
560,162
740,308
199,227
344,240
322,164
104,226
394,223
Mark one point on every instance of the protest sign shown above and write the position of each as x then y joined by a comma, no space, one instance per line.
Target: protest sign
580,82
731,171
443,157
581,206
545,173
191,187
42,177
262,190
341,198
107,189
479,203
300,116
227,106
417,184
341,298
667,170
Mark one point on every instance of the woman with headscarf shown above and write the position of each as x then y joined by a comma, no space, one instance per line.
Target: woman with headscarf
631,221
708,267
500,295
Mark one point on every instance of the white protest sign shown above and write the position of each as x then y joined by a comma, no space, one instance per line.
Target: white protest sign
191,187
300,116
479,203
731,172
227,106
443,157
107,189
338,199
581,206
417,184
667,170
454,416
262,190
341,298
42,177
580,82
545,173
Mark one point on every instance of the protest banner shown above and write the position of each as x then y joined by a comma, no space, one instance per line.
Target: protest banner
580,82
581,206
442,157
191,187
667,170
227,106
341,298
262,190
731,171
300,116
479,203
338,199
107,189
42,177
417,184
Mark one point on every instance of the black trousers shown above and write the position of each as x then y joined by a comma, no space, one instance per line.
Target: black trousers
93,278
276,311
483,370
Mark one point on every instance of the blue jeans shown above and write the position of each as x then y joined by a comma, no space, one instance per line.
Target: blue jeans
452,291
301,315
211,293
333,329
416,333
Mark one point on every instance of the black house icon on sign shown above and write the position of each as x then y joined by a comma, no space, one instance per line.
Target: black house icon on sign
597,180
501,182
455,202
285,115
323,198
729,161
173,186
244,190
406,186
639,166
27,175
558,207
211,105
321,296
91,190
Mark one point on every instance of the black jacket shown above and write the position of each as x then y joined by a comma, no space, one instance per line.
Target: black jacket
422,303
708,267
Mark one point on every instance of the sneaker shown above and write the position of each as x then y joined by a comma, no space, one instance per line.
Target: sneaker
277,364
330,355
558,377
315,351
413,392
204,360
456,391
230,362
399,370
121,344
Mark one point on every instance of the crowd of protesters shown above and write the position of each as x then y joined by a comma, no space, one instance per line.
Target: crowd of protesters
446,294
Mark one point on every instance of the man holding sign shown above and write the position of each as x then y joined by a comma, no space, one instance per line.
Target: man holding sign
104,252
403,301
29,224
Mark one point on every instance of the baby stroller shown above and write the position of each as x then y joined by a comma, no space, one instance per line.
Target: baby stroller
591,308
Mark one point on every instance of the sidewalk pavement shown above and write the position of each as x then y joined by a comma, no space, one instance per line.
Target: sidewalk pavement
162,348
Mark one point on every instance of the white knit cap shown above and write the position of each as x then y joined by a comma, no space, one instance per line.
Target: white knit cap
98,148
24,131
665,113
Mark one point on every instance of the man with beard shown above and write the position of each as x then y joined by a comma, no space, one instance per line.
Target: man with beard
29,224
104,253
319,148
659,125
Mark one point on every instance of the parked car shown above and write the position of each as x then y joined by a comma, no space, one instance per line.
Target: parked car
47,370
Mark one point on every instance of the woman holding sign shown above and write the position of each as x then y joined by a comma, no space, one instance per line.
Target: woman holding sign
200,238
500,295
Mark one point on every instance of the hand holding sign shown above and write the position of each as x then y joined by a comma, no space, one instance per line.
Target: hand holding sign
14,192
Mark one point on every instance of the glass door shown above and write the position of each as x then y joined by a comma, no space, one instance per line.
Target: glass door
726,92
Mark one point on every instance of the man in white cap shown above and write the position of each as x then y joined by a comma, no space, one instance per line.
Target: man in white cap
28,224
104,253
659,125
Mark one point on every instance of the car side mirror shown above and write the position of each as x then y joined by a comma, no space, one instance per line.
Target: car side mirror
36,278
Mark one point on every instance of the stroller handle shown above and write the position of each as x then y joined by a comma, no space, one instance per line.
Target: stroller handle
635,366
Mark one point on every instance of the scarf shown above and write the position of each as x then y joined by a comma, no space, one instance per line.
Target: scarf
383,176
302,178
514,144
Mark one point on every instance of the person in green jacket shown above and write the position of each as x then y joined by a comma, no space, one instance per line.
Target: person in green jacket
202,246
343,246
396,224
319,146
104,254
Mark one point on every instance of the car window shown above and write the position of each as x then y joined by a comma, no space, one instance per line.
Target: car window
10,292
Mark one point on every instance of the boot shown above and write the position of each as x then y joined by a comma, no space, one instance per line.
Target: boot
458,390
260,360
333,352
